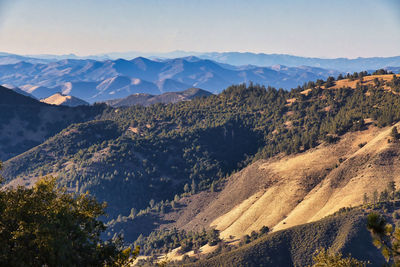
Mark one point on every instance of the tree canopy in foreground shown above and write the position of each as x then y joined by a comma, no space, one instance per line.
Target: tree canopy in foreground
46,226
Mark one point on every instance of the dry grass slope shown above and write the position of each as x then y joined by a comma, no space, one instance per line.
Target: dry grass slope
344,233
367,80
291,190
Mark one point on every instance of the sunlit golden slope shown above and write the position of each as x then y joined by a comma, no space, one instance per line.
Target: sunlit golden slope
292,190
65,100
367,80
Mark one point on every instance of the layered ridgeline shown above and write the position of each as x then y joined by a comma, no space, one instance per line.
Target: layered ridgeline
96,81
25,122
132,155
166,98
232,58
161,158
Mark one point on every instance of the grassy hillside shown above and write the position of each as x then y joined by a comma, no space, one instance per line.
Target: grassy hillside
378,79
344,233
141,157
282,191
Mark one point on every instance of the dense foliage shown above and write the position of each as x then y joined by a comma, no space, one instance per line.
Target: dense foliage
25,122
163,241
45,226
386,237
137,157
325,258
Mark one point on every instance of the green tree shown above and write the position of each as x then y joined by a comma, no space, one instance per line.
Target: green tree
330,82
46,226
193,187
213,237
395,134
212,187
151,203
186,188
133,213
385,237
384,196
375,197
391,187
323,258
366,200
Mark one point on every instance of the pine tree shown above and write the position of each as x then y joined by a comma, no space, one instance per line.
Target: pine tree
193,187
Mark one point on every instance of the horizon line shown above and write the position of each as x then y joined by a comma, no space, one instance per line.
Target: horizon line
190,53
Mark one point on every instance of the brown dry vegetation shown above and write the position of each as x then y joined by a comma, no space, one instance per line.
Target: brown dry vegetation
367,80
286,191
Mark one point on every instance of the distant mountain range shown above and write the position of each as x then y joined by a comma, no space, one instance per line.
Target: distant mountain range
147,99
340,64
97,81
262,59
231,58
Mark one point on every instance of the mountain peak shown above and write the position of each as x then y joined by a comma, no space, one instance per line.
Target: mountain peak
64,100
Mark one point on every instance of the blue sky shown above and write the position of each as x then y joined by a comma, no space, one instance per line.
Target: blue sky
318,28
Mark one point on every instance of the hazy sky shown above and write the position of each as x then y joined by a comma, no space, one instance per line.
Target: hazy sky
319,28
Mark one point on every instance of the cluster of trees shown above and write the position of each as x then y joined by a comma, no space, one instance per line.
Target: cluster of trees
395,83
130,156
323,257
386,237
253,236
35,118
163,241
381,72
46,226
388,194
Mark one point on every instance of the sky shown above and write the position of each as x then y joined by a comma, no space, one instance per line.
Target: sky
312,28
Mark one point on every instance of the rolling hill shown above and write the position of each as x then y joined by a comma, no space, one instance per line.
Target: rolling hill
248,157
95,81
154,151
344,233
18,90
166,98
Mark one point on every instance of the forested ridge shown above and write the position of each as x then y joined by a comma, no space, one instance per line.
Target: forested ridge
138,159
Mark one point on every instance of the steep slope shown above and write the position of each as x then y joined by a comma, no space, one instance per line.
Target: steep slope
169,85
147,155
120,86
345,233
25,122
11,98
82,90
39,91
146,99
286,191
18,90
135,99
309,186
64,100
